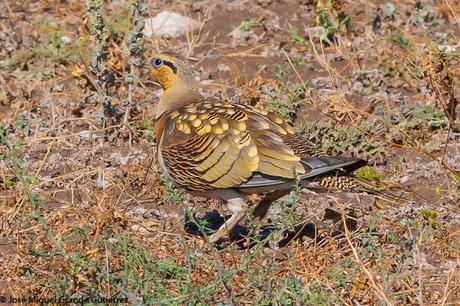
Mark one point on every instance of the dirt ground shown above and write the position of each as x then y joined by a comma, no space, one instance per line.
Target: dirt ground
85,212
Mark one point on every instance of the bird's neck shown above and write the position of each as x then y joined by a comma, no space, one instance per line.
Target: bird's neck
176,96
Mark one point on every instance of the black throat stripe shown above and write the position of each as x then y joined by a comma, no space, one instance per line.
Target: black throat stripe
171,65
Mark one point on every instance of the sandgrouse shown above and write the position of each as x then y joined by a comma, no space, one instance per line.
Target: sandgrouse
227,151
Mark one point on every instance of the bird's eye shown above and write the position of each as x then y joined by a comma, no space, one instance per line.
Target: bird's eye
157,63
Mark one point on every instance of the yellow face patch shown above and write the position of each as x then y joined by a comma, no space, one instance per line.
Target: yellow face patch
165,76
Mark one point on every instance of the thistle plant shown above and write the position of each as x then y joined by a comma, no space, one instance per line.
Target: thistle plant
105,78
134,40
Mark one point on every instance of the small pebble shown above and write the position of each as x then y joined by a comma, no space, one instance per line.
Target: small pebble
66,40
223,68
138,228
404,179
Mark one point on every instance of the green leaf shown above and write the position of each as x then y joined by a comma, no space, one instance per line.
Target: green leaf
369,174
401,40
430,217
456,178
295,35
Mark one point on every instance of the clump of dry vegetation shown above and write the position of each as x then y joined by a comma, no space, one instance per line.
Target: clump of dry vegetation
85,212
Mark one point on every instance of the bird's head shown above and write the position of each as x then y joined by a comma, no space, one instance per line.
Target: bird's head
170,69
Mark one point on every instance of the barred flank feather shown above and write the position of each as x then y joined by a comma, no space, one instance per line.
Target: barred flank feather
343,183
353,184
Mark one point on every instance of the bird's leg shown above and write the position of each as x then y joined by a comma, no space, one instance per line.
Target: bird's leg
262,207
238,208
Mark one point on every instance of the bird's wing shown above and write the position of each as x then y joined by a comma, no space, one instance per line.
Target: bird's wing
214,145
218,145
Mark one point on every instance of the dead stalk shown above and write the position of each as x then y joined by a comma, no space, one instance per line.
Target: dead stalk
376,287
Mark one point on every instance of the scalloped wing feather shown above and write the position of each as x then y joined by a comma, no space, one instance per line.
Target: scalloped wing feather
211,145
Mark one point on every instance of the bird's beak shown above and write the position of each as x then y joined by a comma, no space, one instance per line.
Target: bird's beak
149,68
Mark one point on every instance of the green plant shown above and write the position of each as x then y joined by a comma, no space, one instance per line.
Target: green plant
134,40
331,21
22,124
286,208
430,217
287,101
172,194
7,181
140,275
390,71
456,178
98,62
8,154
370,246
295,292
315,295
343,275
340,139
434,118
295,35
400,40
369,174
248,25
282,71
118,23
63,55
451,247
147,129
